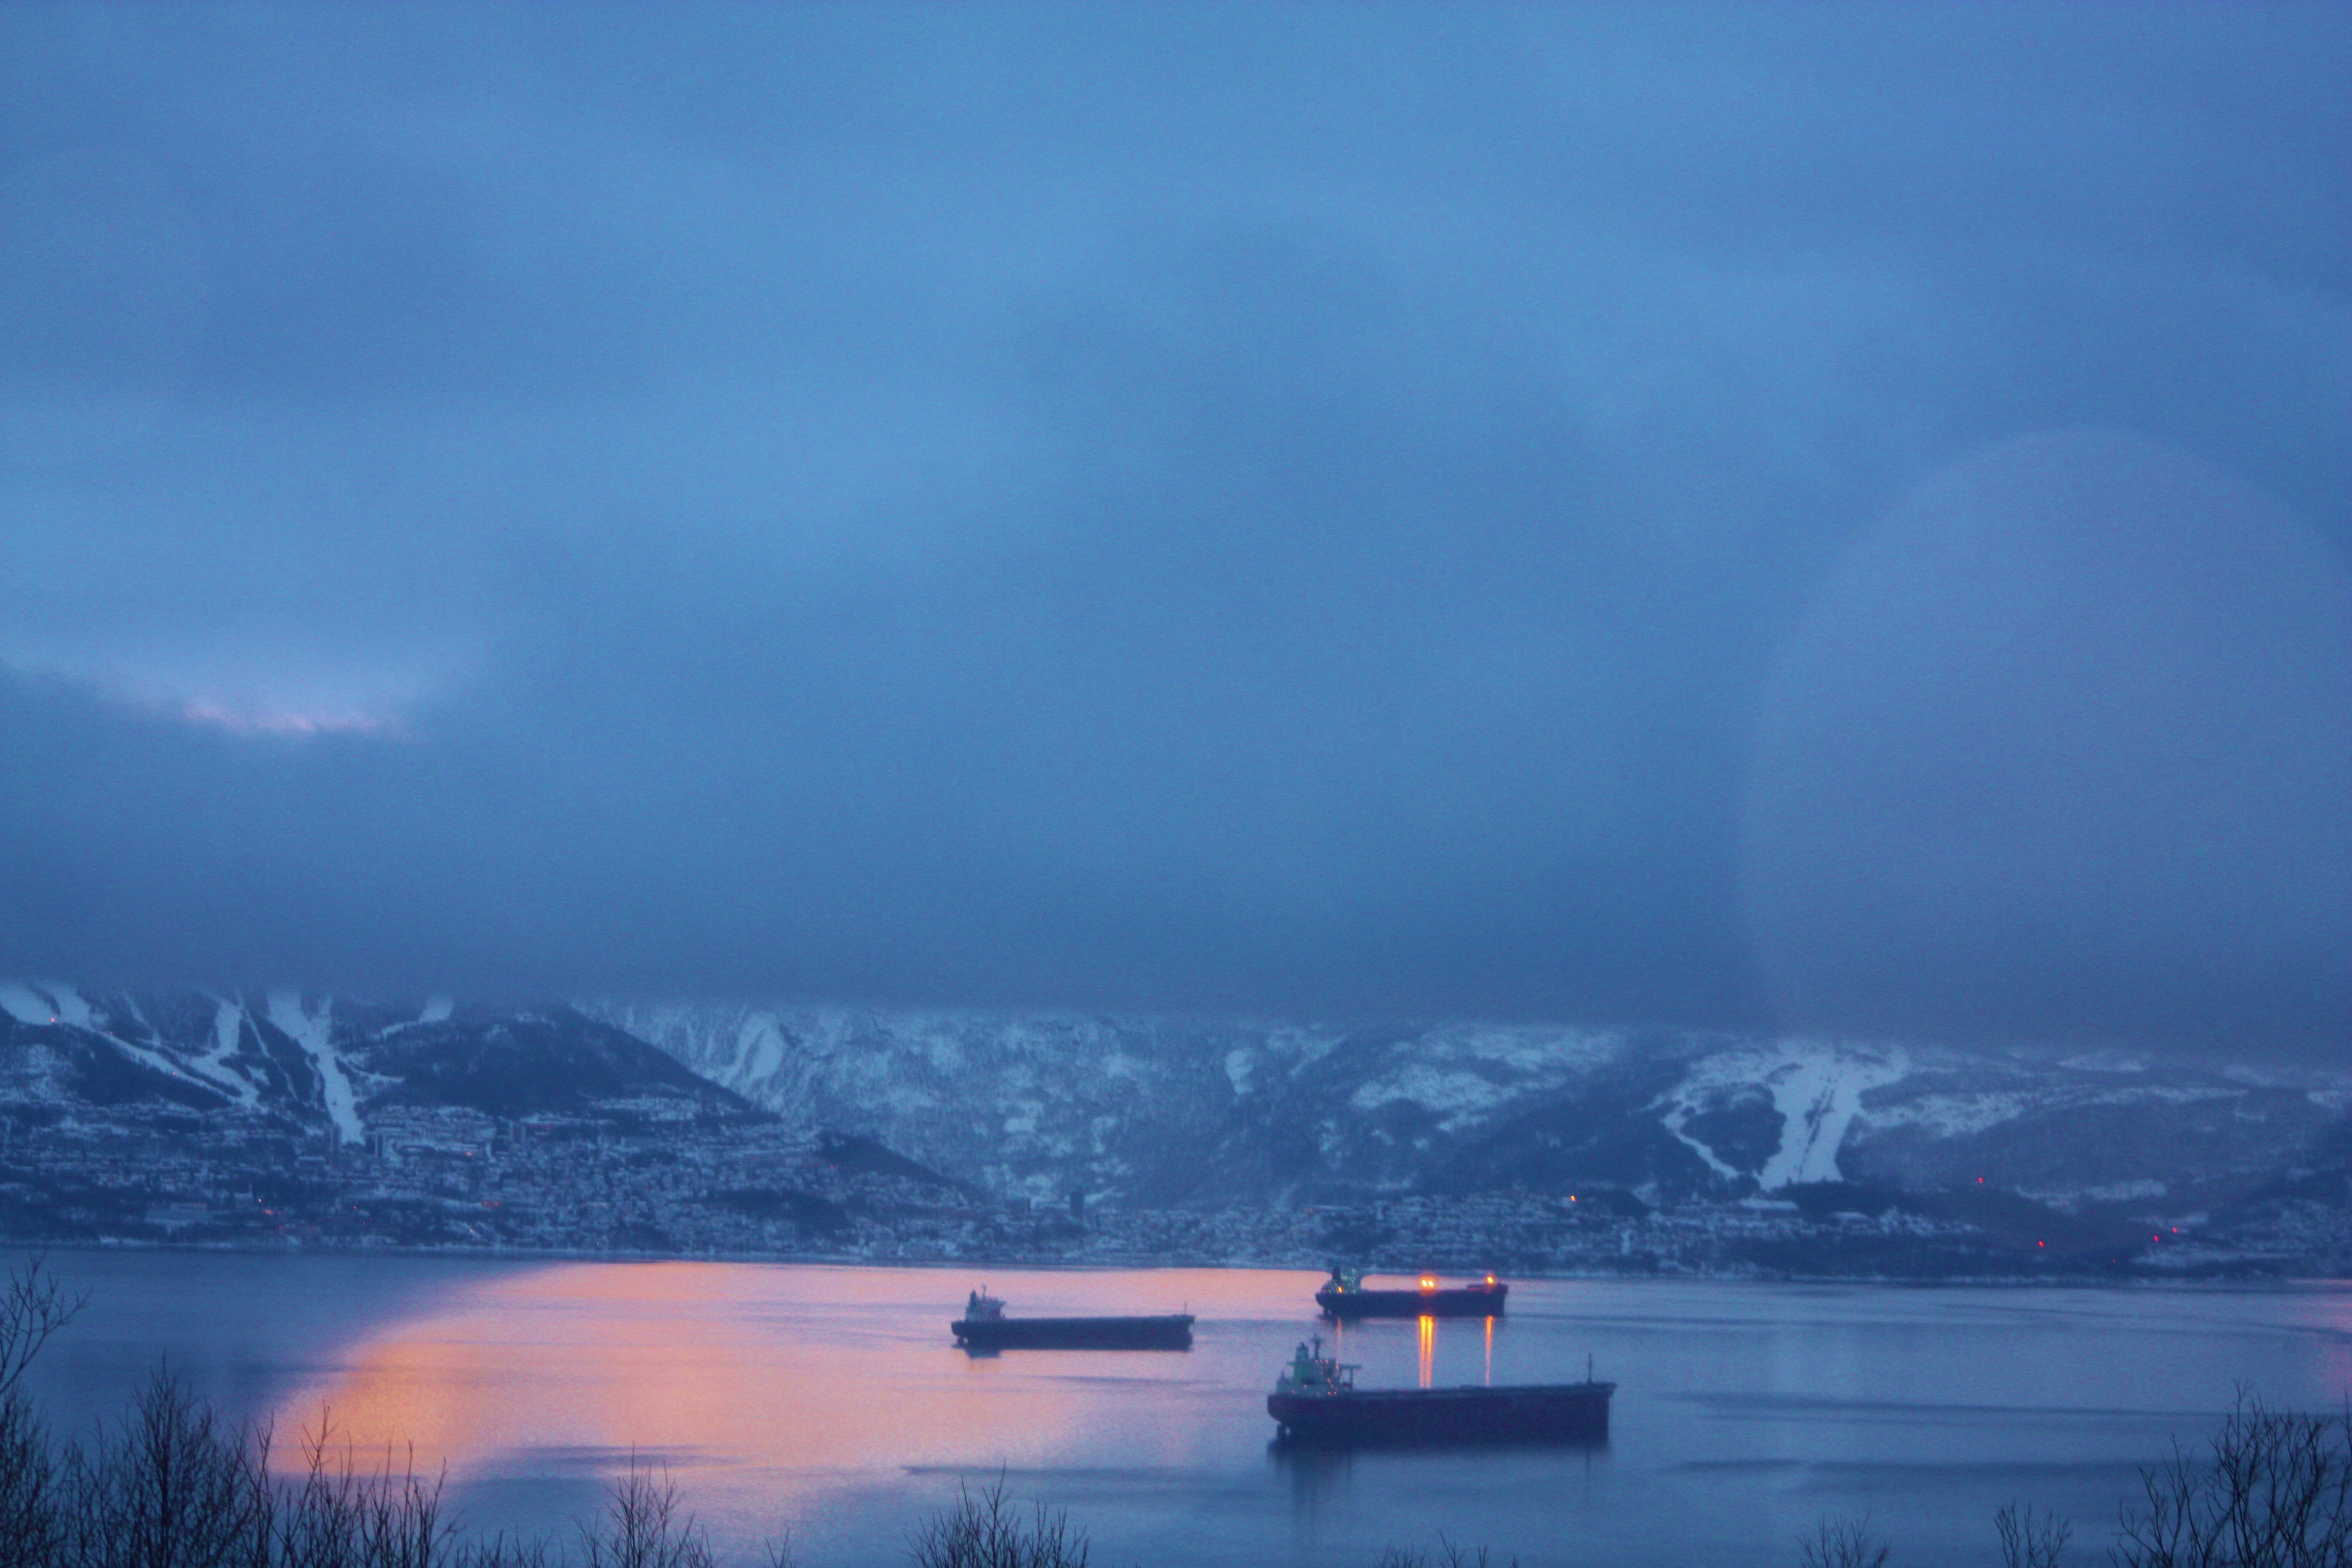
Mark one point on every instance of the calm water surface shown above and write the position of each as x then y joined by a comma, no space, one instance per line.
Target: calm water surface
831,1402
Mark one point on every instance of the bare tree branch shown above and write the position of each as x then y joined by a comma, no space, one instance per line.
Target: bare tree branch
33,1306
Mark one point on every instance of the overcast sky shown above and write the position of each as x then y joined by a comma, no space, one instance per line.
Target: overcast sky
1773,516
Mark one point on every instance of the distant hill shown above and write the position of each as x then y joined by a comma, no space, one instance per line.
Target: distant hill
1170,1113
1163,1112
326,1065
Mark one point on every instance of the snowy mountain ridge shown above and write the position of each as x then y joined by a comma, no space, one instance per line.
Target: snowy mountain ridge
1193,1111
316,1064
1175,1112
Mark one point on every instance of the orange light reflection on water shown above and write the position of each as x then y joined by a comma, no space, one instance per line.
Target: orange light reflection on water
1428,1347
682,1360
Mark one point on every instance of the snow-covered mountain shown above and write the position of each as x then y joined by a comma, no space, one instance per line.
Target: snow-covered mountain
321,1064
1158,1111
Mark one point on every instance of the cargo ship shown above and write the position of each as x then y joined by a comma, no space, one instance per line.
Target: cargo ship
984,1327
1315,1400
1343,1296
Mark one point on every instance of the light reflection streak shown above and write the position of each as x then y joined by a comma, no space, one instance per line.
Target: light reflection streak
694,1361
1490,1351
1428,1347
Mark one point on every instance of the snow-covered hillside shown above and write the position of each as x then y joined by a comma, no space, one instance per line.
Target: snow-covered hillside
321,1064
1158,1111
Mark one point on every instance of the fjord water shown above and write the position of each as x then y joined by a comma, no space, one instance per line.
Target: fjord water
831,1402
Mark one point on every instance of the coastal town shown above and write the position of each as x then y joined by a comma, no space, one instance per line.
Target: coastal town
655,1178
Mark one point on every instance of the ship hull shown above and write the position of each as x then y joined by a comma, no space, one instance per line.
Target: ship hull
1173,1331
1555,1412
1465,1301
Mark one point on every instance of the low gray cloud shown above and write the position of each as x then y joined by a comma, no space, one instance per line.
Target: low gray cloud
1758,517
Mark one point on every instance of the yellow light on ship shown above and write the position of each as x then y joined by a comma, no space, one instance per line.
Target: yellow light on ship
1428,1283
1490,1279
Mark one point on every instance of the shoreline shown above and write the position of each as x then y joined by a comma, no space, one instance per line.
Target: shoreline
821,1260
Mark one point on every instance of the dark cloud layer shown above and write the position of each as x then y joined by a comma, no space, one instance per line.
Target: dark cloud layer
1807,517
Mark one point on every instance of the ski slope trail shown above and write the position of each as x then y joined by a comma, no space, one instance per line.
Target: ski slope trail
313,1032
